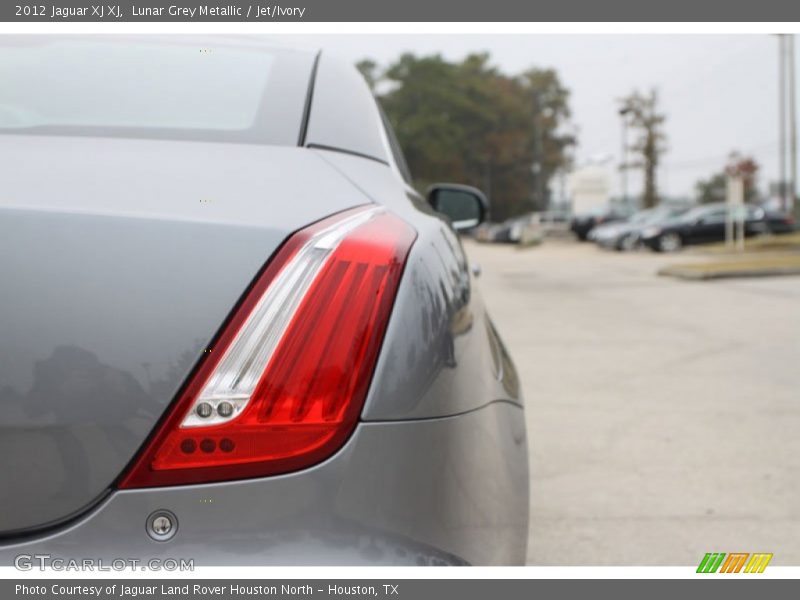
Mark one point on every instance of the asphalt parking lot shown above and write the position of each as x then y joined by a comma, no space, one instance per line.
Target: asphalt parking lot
663,415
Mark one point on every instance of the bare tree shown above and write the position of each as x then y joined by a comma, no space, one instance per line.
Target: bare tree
650,142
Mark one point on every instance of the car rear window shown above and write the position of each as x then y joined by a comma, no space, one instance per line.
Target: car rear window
184,89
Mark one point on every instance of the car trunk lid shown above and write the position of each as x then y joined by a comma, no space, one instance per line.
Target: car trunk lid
119,260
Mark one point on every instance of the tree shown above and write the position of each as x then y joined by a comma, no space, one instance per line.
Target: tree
644,117
715,188
550,110
747,168
369,69
468,122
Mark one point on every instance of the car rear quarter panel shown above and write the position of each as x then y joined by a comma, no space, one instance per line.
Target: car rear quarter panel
438,491
441,355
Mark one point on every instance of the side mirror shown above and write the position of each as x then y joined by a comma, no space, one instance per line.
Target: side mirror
465,206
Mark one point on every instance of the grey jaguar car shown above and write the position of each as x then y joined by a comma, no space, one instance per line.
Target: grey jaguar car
231,331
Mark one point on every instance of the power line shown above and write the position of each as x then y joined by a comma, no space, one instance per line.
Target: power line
719,158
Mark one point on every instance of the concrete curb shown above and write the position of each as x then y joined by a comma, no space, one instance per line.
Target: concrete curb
691,274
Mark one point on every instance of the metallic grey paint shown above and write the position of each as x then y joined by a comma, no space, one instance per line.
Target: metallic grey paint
344,114
121,259
437,491
119,266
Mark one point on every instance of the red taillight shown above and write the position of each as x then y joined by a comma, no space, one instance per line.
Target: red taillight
283,386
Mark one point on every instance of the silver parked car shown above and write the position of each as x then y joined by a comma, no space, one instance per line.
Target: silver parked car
626,235
230,329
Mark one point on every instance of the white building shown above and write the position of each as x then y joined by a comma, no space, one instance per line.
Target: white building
589,187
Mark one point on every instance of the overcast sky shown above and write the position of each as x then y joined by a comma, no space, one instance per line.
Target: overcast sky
719,92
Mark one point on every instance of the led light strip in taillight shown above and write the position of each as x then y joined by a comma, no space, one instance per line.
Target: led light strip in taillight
234,380
283,386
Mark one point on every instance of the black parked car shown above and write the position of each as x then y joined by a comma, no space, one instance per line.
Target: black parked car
706,224
582,224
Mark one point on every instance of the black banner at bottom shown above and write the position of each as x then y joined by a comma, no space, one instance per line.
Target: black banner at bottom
407,589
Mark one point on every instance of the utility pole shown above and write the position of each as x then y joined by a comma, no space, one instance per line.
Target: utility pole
623,167
537,166
792,127
538,153
487,177
782,121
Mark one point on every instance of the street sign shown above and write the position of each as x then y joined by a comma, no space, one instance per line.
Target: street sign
734,216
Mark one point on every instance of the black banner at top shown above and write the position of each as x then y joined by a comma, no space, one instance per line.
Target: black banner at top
400,10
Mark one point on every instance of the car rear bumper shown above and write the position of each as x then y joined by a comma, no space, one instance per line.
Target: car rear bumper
650,242
607,241
450,490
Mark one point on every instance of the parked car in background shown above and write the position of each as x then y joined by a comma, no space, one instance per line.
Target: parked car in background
626,235
509,231
528,229
706,224
553,216
582,224
484,232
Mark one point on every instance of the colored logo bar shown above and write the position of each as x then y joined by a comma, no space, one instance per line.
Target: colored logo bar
734,562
